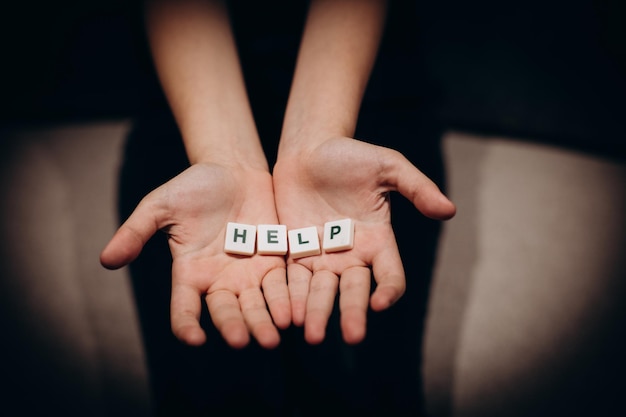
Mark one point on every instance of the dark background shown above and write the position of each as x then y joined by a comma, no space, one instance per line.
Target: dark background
546,71
550,71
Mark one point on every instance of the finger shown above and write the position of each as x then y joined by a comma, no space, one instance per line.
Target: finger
227,317
389,276
319,306
276,295
298,279
130,238
354,292
185,311
419,189
258,318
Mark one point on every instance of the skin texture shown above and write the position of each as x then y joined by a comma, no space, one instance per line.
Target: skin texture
322,173
193,209
346,178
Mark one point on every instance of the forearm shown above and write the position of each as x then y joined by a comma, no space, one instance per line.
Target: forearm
337,53
196,60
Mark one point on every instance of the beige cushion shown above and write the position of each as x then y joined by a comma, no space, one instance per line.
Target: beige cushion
529,276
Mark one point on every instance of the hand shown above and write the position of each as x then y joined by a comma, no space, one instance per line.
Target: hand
193,210
346,178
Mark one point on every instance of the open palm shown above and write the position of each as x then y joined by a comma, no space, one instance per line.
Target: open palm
347,178
193,210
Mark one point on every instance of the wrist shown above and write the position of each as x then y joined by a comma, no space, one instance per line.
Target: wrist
226,152
305,130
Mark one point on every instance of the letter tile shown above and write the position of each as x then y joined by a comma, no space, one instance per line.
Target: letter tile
304,242
240,239
271,239
338,235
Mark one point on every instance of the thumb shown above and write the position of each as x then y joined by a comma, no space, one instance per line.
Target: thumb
409,181
130,238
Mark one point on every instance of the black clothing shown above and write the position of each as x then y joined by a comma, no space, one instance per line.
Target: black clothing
381,375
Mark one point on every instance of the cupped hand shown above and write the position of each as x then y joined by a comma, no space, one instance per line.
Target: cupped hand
193,209
347,178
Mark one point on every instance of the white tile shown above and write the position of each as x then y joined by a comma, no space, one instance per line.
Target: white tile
271,239
304,242
338,235
240,239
